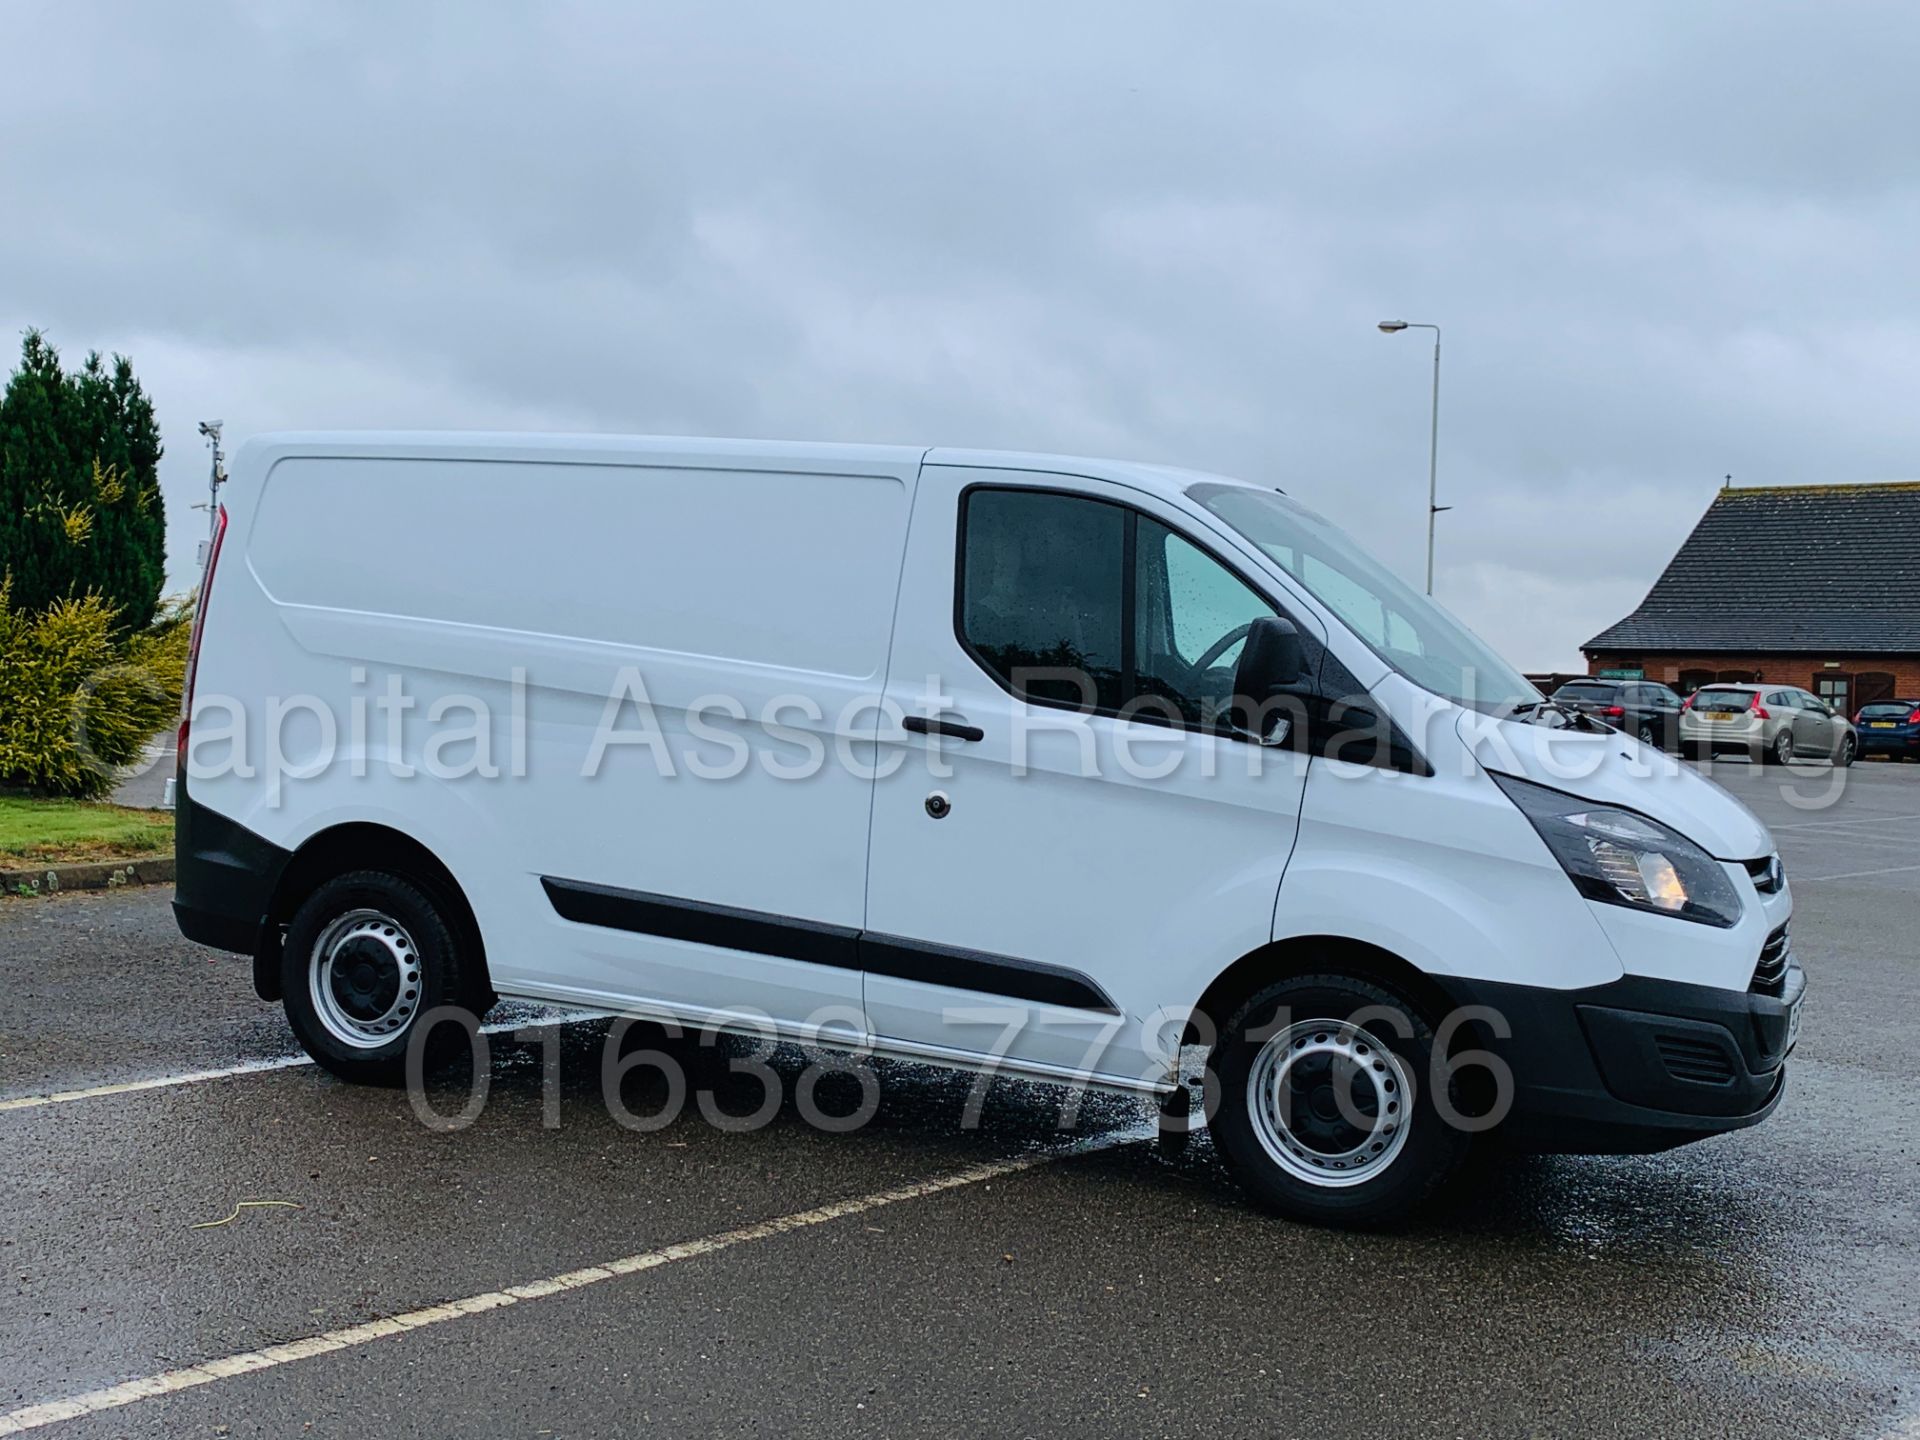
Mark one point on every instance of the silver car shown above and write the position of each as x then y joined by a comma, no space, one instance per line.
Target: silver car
1775,723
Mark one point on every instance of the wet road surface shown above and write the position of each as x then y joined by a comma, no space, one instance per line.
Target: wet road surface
1765,1283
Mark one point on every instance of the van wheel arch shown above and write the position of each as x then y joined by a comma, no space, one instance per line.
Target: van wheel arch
367,846
1307,955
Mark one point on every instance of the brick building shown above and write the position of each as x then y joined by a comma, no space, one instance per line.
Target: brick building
1809,585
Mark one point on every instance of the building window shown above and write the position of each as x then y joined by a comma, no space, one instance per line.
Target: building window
1833,688
1692,680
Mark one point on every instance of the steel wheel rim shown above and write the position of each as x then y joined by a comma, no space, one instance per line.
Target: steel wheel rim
1294,1077
364,979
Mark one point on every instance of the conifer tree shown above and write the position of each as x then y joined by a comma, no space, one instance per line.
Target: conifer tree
80,508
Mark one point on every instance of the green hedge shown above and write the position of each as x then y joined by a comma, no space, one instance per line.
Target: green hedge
77,702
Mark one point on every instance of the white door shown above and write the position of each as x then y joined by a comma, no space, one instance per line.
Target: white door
694,835
1045,874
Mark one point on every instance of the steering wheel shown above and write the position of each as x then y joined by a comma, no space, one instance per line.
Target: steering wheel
1220,647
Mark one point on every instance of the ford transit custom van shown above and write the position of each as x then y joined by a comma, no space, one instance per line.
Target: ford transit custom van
1055,768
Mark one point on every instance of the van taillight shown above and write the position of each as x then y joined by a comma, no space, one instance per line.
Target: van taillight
193,640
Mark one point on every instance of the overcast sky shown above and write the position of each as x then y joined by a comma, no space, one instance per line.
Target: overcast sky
1667,242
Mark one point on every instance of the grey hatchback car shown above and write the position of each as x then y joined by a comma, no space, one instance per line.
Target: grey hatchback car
1774,723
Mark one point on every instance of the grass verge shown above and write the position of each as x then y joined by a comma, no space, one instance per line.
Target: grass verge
54,832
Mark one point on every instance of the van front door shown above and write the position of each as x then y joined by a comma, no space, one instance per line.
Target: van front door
1065,835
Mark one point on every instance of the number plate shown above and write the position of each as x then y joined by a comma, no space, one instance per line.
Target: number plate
1720,714
1880,724
1793,1028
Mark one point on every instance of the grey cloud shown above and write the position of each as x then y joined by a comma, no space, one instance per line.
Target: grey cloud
1667,243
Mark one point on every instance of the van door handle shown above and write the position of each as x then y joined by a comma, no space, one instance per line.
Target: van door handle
938,725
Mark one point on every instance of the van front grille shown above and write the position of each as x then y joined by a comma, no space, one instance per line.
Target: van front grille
1704,1062
1770,975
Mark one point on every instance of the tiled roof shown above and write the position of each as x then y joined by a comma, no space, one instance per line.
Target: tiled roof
1796,568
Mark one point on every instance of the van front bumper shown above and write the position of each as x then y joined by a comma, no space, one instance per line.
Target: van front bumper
1638,1065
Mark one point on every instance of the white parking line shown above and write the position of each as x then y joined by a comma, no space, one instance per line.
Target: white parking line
246,1067
1817,840
162,1082
169,1382
1856,874
1863,822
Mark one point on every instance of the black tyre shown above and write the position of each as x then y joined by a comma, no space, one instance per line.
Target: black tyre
1782,753
1647,736
1849,749
366,957
1324,1110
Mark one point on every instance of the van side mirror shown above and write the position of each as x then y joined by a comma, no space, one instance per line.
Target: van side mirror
1272,665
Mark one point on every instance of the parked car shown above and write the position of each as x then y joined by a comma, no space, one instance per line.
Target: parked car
1771,723
1889,727
1643,708
1040,766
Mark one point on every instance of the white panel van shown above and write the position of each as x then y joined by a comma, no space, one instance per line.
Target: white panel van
1036,765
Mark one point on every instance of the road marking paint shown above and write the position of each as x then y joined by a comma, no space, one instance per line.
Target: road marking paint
129,1087
1862,821
1846,830
1857,874
170,1382
1817,842
245,1067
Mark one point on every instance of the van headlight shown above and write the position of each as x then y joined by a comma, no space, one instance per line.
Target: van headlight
1623,858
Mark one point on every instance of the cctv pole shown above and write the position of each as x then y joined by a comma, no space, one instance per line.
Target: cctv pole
1433,460
215,477
1434,507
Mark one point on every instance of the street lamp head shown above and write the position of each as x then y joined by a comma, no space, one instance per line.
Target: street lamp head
1392,327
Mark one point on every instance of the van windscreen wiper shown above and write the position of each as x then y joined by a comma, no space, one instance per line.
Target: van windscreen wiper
1575,719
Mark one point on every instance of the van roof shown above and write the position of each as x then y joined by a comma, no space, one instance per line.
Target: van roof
587,449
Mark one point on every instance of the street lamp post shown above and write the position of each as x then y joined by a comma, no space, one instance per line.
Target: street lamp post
1394,327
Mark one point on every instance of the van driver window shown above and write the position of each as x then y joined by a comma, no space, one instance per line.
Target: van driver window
1041,594
1045,594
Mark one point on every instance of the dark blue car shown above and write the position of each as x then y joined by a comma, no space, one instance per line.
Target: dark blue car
1889,727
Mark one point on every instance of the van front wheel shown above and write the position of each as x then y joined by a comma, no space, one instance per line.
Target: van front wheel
365,958
1324,1111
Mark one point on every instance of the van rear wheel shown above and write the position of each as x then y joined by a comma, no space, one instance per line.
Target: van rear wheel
1324,1111
367,956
